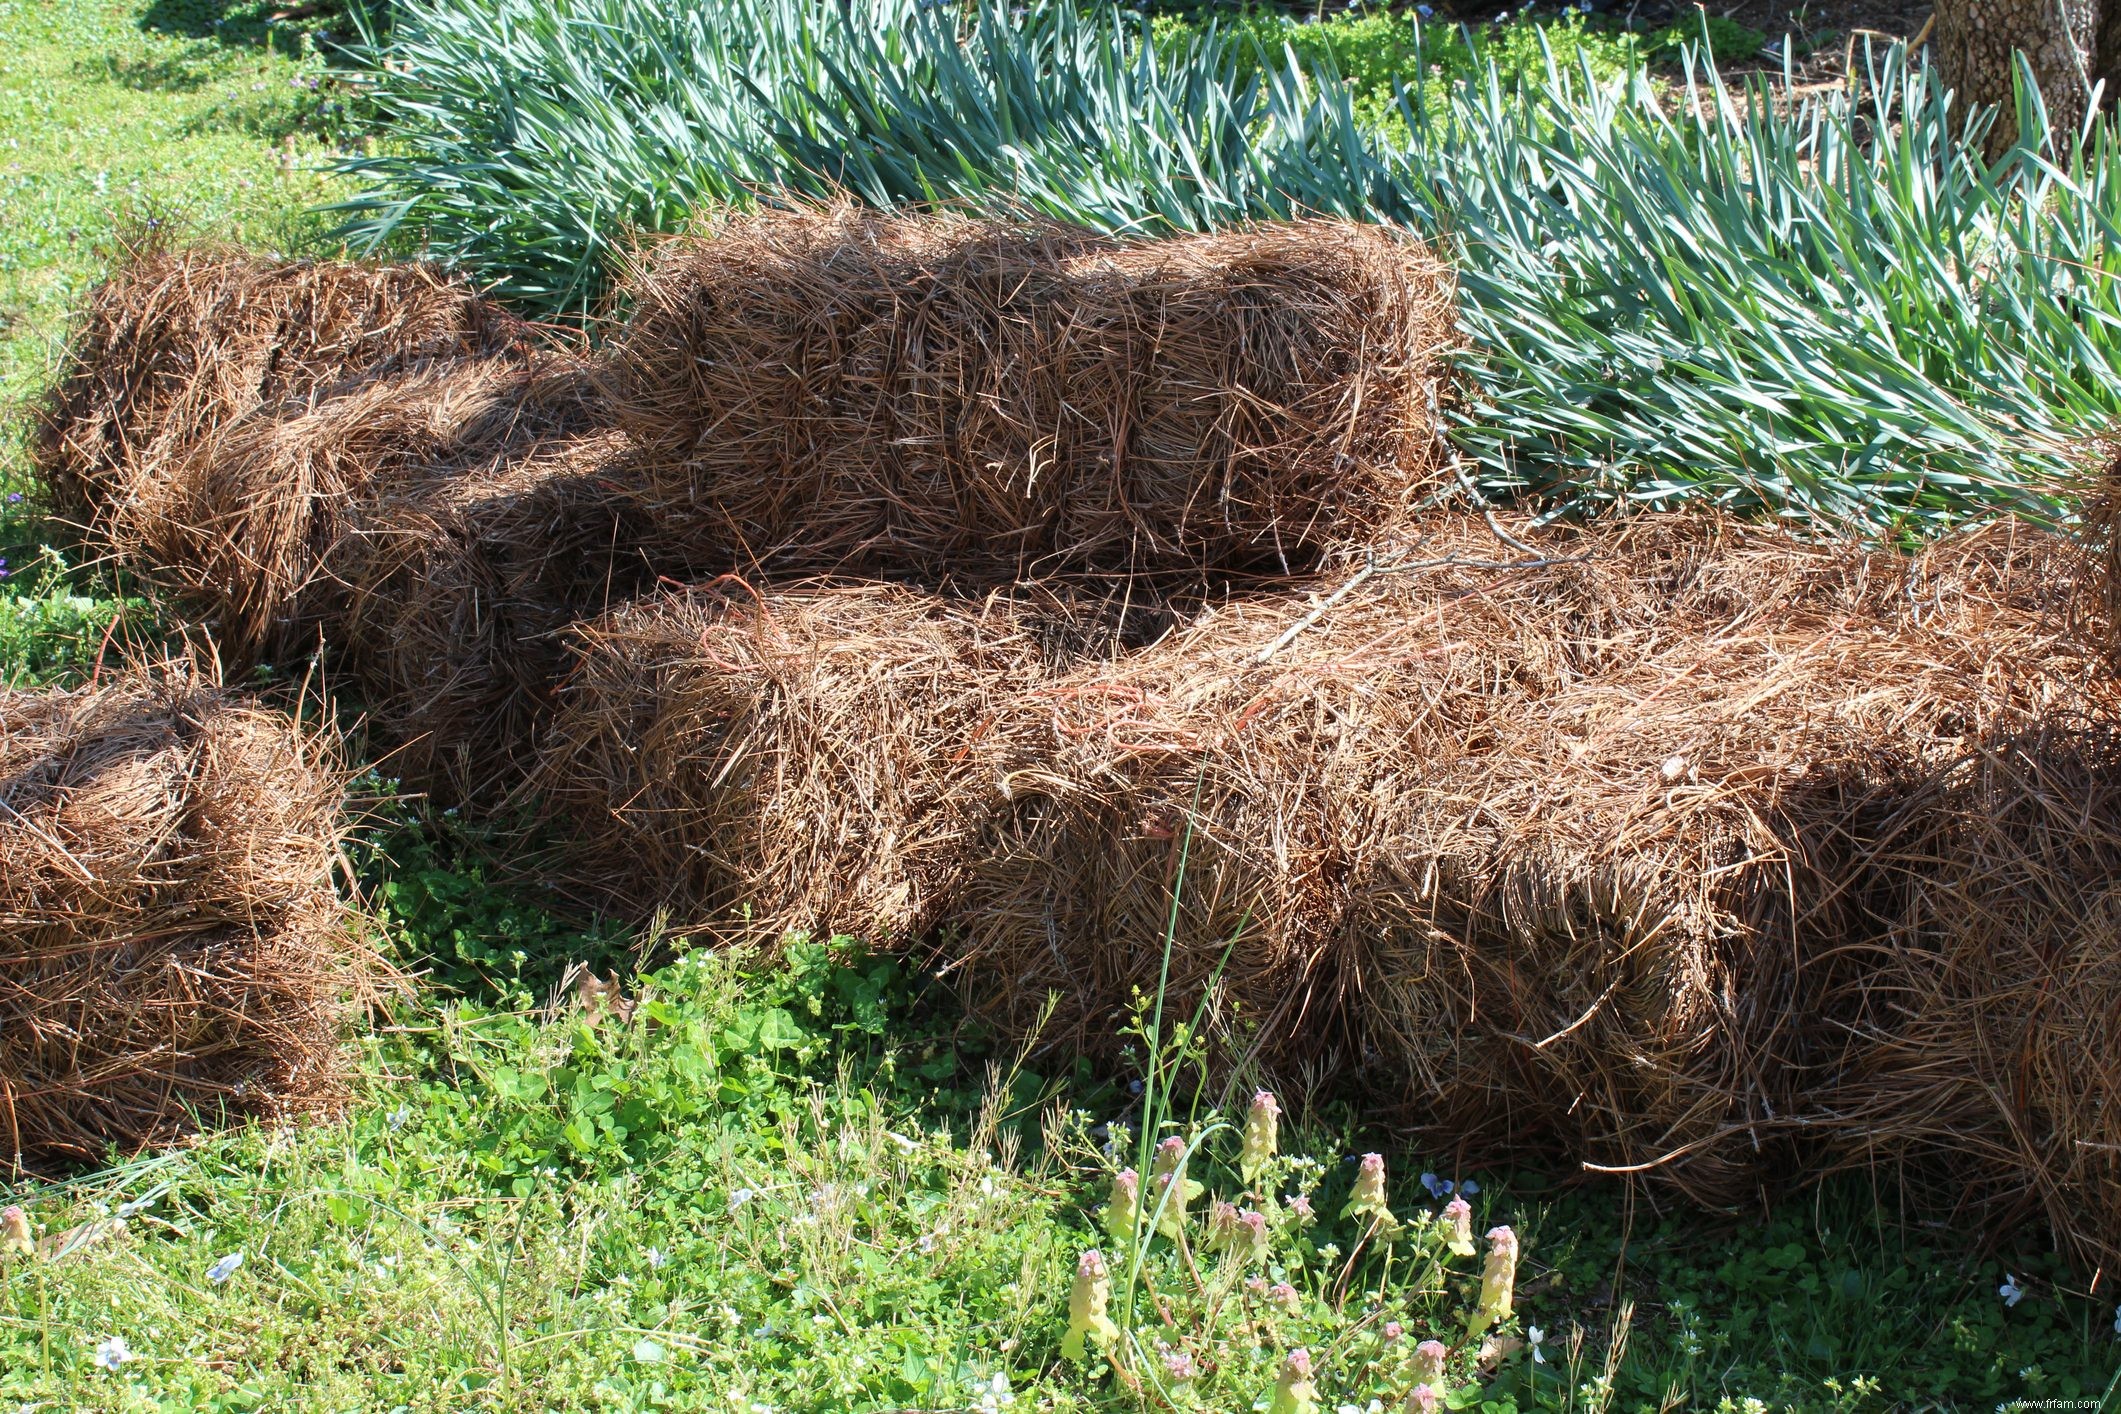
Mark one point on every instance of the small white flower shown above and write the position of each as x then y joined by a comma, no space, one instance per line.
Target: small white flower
112,1353
927,1244
1535,1337
2011,1292
225,1267
396,1118
994,1395
2117,1320
739,1198
657,1257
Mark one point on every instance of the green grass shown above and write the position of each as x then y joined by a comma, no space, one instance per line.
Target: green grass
1376,52
109,124
521,1209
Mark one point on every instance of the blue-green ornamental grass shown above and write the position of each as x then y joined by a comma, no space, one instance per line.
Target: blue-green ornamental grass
1673,290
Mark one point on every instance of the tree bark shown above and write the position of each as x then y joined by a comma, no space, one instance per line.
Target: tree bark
2067,43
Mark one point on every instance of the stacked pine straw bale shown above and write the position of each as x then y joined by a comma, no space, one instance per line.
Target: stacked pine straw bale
171,948
835,390
813,760
442,525
1000,406
175,344
1678,848
371,458
1981,1067
1571,849
364,456
245,526
453,590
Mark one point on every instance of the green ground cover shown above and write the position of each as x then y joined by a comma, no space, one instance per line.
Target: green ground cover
805,1184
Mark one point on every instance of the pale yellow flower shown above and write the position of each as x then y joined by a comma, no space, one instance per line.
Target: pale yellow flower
1170,1175
1368,1199
1498,1282
1123,1214
1261,1124
1293,1392
1087,1301
15,1236
1458,1227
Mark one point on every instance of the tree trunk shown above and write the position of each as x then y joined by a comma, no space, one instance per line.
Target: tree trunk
2066,42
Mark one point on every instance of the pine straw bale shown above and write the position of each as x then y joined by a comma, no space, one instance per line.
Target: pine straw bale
1982,1064
2100,531
170,946
175,344
1566,847
840,390
1574,855
455,587
240,527
817,759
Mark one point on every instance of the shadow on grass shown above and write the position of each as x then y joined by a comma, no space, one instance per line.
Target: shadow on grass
288,27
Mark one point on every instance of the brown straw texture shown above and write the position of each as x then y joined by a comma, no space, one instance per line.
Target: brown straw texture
1986,1015
241,527
1674,848
1569,846
812,760
835,390
171,949
455,587
175,344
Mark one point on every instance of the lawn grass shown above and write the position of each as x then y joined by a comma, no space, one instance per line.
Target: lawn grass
110,124
796,1184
